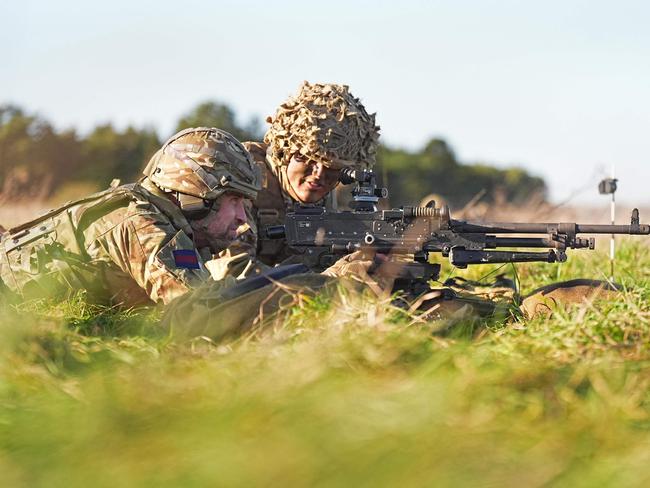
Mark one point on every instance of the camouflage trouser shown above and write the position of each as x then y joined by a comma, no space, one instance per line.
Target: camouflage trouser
543,300
213,312
444,308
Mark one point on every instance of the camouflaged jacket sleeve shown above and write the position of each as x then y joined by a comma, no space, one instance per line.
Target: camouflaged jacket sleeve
161,259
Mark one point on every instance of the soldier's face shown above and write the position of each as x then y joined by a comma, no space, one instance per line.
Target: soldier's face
310,180
222,224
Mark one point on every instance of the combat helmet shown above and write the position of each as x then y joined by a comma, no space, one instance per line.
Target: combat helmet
200,164
323,122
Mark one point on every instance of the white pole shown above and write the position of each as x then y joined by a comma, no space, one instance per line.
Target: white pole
612,242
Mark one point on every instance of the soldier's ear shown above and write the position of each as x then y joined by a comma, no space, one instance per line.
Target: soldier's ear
193,208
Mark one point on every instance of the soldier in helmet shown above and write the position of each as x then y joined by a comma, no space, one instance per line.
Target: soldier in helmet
312,136
147,242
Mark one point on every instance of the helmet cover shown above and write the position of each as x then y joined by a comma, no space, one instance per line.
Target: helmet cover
325,123
205,163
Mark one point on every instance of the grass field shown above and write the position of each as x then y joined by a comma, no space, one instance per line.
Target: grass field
336,396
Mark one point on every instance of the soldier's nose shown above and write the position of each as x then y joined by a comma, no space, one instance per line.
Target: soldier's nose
240,212
318,170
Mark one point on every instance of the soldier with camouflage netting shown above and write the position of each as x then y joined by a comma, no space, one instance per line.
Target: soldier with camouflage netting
147,242
312,136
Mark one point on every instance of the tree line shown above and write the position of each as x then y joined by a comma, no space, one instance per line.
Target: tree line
37,160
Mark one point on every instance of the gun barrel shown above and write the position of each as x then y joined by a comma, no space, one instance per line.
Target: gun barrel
547,228
640,229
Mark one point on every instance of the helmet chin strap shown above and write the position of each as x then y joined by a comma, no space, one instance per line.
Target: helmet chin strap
280,171
286,184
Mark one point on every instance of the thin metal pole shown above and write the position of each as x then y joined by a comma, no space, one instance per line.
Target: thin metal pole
612,242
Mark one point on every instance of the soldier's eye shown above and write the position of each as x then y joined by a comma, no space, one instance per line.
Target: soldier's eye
300,158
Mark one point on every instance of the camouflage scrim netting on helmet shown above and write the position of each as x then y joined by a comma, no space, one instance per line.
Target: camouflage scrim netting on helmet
205,163
324,122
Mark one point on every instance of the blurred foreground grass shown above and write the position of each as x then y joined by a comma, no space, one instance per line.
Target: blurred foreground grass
352,396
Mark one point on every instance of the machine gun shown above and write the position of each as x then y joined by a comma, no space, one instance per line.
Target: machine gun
321,236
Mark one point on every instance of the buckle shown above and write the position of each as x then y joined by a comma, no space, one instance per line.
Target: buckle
267,215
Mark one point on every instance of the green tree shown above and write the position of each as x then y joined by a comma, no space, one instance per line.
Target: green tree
216,114
109,153
34,158
434,169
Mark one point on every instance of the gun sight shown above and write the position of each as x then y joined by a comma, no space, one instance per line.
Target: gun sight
352,175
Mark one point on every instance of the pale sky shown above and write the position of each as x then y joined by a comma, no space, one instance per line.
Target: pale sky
561,88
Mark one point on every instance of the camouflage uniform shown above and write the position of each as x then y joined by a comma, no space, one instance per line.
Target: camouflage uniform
213,311
323,122
219,310
133,245
543,301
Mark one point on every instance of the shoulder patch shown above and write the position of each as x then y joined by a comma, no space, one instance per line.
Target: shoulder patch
186,258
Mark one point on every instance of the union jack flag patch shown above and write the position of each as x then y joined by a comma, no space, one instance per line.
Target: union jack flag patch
186,258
